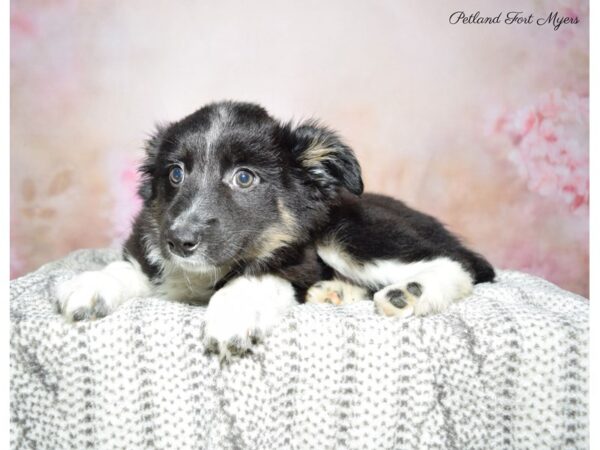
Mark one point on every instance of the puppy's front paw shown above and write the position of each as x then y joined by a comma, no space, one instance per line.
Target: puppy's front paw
243,313
230,327
88,295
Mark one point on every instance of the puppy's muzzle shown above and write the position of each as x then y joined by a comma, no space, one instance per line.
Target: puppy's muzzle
184,239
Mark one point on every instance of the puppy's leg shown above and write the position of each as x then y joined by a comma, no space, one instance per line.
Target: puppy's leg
403,289
432,288
408,258
95,294
244,311
336,292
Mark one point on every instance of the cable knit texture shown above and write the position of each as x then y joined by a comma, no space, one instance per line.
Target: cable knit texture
506,368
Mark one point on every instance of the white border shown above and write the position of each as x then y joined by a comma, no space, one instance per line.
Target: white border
594,357
594,226
5,220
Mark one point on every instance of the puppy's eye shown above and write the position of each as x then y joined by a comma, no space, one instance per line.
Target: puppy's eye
243,178
176,175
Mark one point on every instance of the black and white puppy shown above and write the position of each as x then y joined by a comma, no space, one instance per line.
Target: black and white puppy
254,216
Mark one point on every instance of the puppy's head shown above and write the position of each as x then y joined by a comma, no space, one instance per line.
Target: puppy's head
230,184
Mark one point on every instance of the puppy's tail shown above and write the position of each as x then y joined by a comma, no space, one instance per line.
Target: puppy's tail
479,268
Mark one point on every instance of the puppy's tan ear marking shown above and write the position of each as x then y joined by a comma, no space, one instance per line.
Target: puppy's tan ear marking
327,159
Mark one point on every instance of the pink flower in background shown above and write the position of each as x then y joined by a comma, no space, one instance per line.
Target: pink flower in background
550,146
18,263
21,24
568,37
126,202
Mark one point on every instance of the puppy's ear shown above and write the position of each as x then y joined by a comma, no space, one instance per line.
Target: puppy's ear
329,162
148,167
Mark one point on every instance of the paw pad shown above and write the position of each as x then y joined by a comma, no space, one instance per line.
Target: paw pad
335,292
396,297
415,288
398,300
81,314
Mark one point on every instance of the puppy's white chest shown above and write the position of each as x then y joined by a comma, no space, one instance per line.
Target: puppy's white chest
185,286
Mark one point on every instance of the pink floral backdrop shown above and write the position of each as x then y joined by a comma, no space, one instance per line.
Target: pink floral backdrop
484,126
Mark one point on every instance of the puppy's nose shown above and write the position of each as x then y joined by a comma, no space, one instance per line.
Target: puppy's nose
183,242
184,238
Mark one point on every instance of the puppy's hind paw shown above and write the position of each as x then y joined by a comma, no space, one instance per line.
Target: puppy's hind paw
398,300
335,292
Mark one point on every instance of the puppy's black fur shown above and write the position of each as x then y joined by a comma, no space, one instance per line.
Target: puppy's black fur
307,190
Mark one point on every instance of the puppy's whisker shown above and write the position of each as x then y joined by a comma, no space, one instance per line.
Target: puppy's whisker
187,280
214,276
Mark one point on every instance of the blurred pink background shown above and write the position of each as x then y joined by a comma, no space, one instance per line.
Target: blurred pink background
484,126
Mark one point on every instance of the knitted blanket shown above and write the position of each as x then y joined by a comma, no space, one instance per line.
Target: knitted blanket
506,368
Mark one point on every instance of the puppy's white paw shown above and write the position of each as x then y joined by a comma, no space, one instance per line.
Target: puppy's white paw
440,283
419,297
95,294
398,299
244,312
89,295
335,292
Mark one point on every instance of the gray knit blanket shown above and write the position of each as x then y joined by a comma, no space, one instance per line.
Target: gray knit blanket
506,368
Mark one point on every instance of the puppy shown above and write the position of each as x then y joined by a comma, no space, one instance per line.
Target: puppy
253,216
